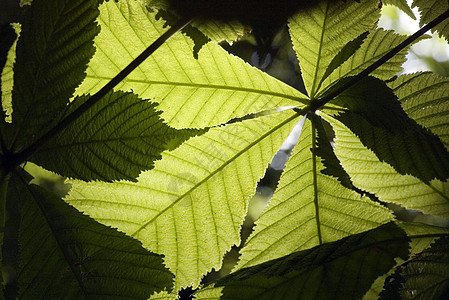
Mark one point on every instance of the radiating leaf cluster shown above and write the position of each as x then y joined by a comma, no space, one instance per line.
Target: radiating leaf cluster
308,208
182,142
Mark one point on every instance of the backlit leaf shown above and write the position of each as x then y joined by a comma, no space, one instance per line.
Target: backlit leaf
429,10
374,176
308,208
319,33
191,205
191,92
343,269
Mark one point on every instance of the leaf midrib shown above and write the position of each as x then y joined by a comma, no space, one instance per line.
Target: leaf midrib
232,159
304,100
320,50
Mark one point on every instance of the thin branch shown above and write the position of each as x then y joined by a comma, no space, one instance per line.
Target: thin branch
321,102
22,156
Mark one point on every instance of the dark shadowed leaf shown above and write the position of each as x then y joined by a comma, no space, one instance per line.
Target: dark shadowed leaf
330,161
67,255
426,276
344,269
345,53
117,138
53,50
375,115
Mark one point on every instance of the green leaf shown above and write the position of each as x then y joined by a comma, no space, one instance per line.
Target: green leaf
52,52
164,296
425,276
318,33
402,5
7,38
345,53
378,43
343,269
422,236
117,138
210,90
214,29
429,10
324,150
377,118
374,176
4,181
65,254
308,208
7,41
209,292
424,97
191,205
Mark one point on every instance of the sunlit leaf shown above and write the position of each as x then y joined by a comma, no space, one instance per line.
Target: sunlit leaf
402,5
378,43
7,39
308,208
320,32
425,98
429,10
379,178
191,92
377,118
191,205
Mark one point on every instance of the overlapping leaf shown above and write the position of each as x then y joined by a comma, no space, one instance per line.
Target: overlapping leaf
308,208
214,29
426,276
52,52
8,51
65,254
429,10
7,37
369,174
117,138
320,32
343,269
377,118
191,205
402,5
425,98
375,46
191,92
422,236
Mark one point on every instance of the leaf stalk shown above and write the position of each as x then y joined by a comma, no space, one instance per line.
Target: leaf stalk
328,97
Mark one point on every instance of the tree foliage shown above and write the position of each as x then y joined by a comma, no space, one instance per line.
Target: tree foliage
163,167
